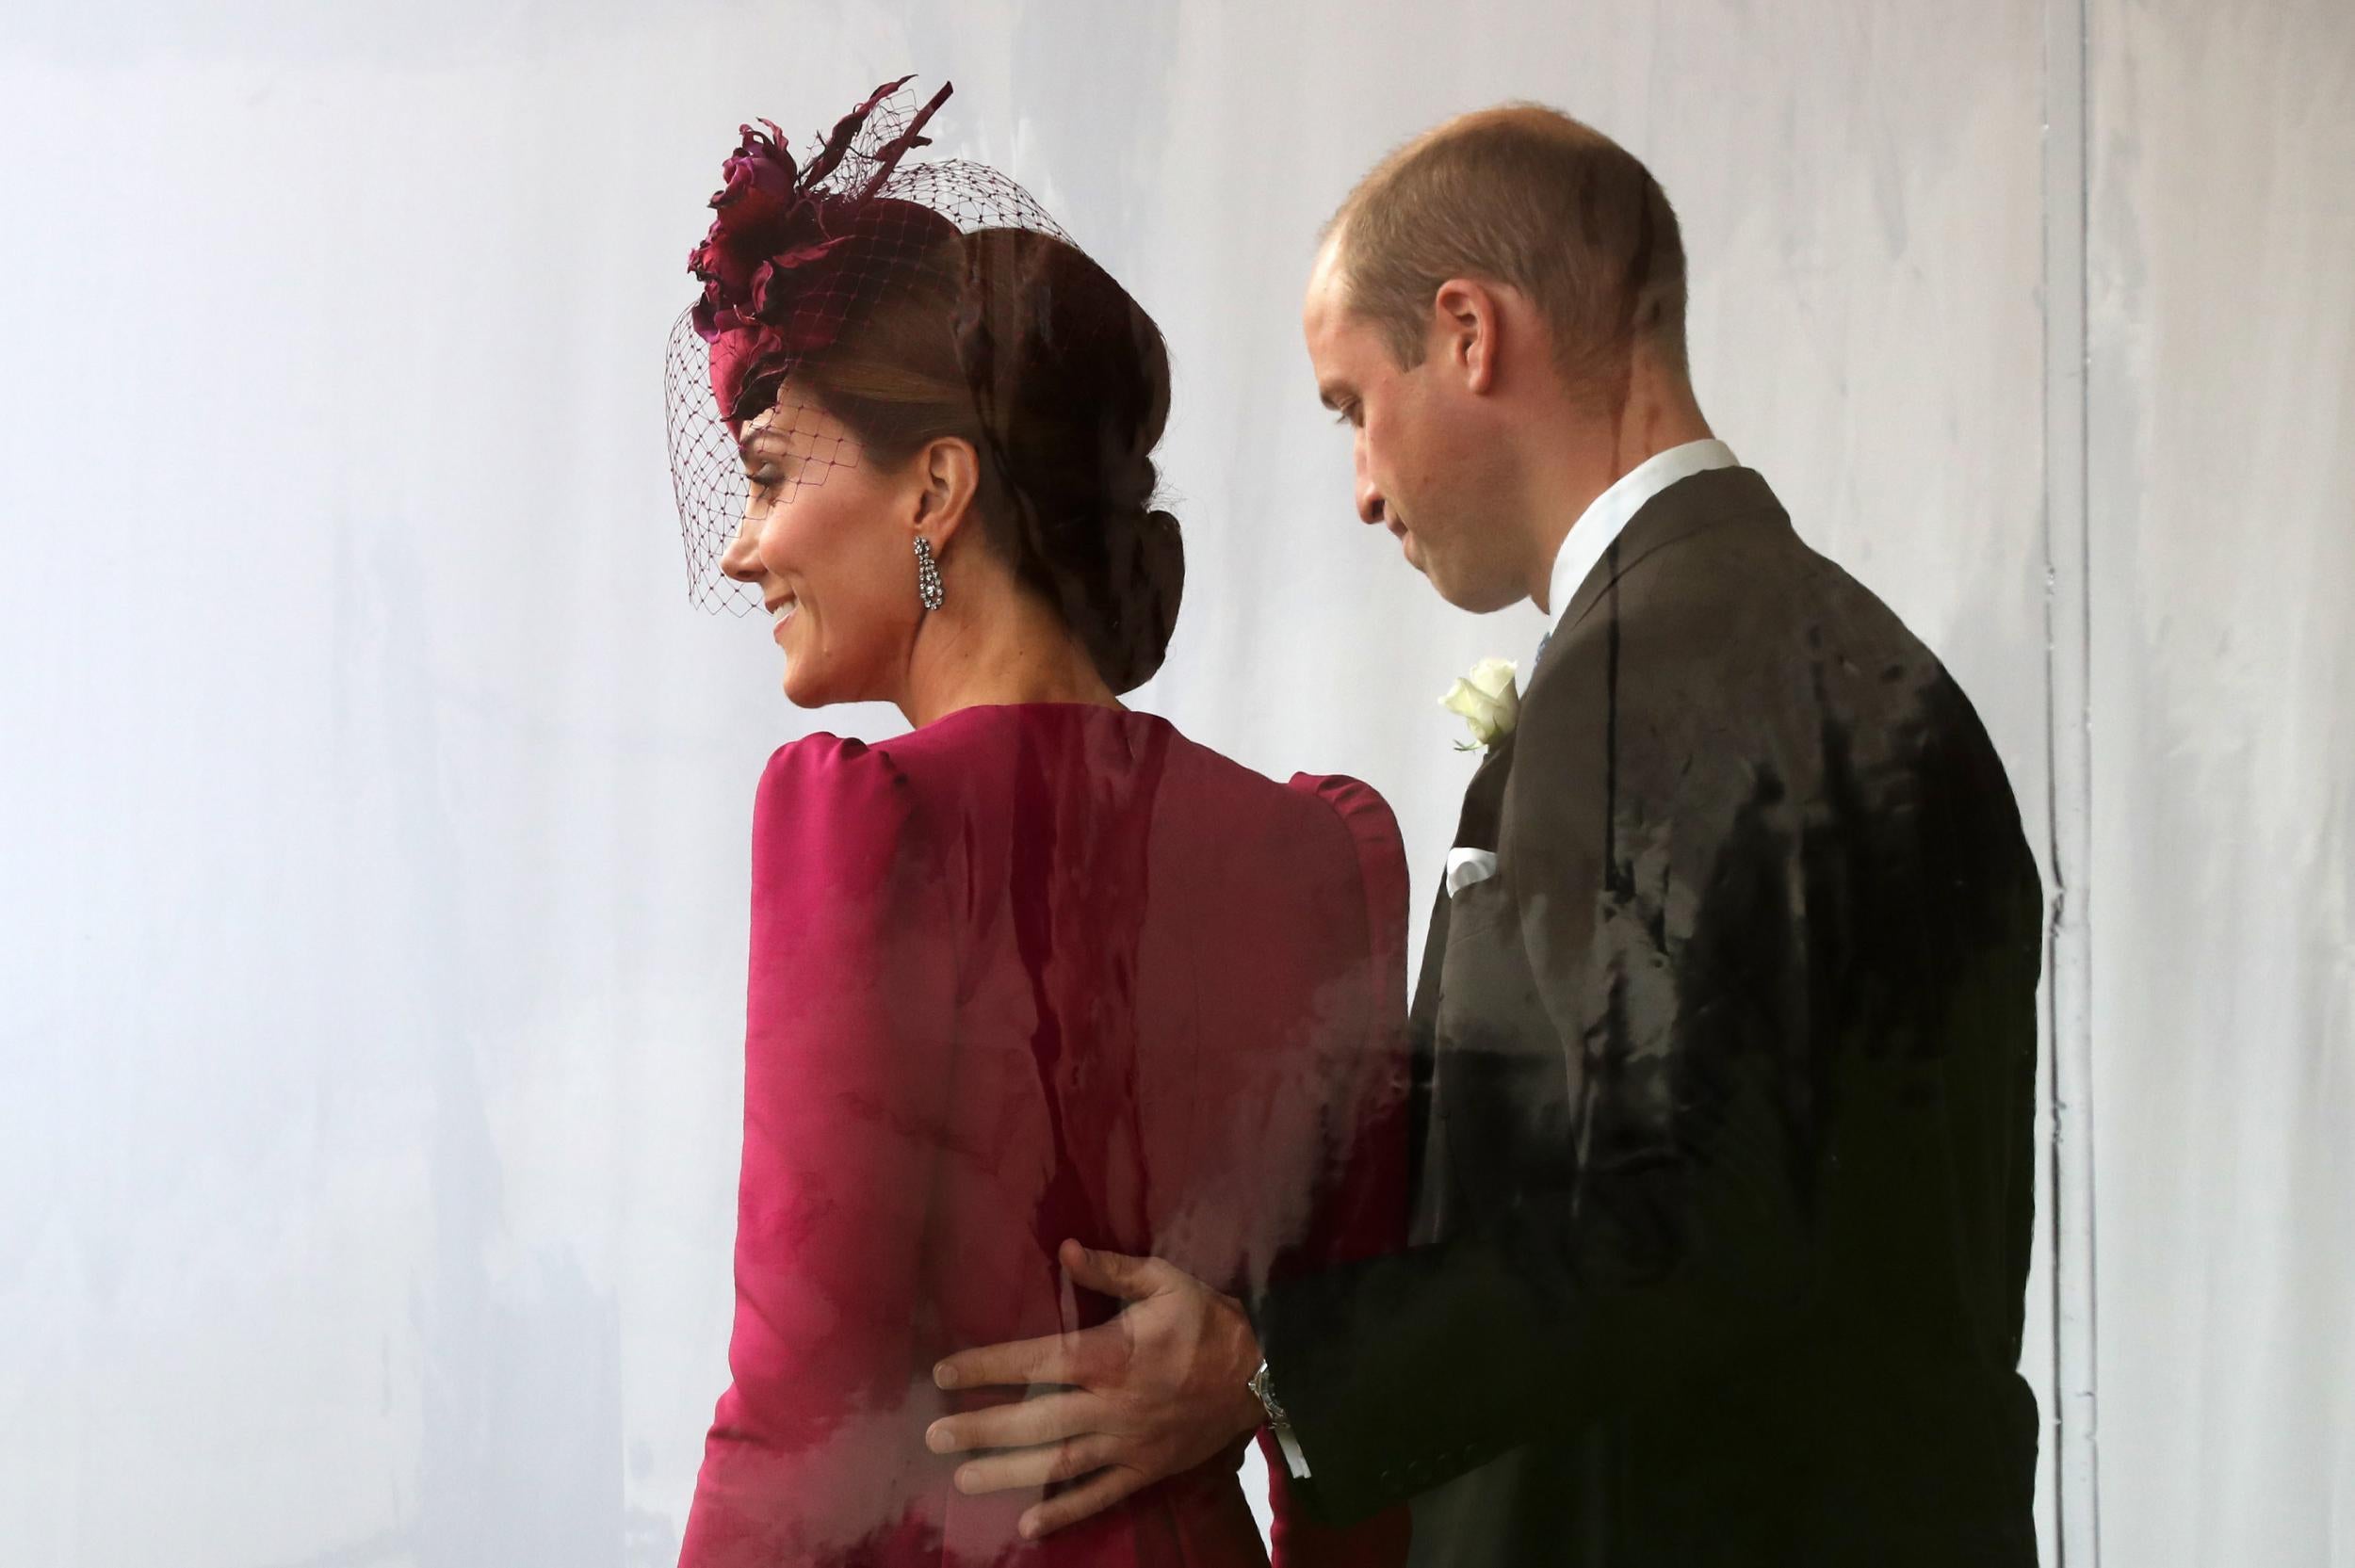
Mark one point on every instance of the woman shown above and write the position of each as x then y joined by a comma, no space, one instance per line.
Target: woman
1041,967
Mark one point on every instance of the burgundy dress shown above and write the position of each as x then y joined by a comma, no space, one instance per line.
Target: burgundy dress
1033,972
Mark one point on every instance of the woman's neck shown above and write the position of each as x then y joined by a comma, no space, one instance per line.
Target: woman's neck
994,643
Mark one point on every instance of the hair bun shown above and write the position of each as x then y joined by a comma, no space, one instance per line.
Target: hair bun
1144,598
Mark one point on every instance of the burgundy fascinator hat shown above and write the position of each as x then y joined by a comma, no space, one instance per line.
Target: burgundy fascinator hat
795,252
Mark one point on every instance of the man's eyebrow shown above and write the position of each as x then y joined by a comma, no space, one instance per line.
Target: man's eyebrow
1332,396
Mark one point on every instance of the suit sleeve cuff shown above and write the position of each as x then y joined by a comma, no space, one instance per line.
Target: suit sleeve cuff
1295,1460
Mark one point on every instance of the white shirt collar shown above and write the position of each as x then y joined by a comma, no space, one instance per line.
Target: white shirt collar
1610,512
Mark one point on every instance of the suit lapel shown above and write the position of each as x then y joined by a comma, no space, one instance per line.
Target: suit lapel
1476,828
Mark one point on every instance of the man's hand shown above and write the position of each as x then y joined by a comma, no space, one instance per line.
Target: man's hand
1157,1390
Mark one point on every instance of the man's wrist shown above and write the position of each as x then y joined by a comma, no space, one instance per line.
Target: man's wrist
1279,1422
1241,1355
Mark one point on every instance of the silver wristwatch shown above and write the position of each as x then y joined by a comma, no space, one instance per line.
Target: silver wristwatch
1265,1393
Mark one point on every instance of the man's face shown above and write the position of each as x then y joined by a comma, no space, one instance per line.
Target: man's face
1428,462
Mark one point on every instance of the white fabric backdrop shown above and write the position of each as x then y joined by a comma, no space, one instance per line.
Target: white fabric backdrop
376,807
2223,504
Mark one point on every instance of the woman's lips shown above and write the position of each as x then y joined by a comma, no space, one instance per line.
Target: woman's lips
783,615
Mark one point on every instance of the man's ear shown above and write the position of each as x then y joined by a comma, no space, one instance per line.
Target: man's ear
950,471
1468,321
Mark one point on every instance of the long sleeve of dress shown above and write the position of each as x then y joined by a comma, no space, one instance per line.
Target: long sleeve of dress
817,1446
1362,1208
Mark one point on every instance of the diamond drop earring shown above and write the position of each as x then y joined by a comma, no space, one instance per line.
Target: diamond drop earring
927,574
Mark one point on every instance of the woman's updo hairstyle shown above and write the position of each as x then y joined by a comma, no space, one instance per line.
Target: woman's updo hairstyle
1019,343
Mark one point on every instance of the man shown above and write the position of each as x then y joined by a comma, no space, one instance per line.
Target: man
1724,1194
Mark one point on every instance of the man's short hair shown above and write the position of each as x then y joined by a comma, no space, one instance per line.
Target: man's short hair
1525,196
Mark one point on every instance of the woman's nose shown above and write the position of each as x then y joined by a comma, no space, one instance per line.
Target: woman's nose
741,559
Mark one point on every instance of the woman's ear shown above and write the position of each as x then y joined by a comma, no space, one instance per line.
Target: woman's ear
951,471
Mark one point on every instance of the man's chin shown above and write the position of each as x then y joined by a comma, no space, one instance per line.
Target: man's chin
1474,598
1433,573
1443,582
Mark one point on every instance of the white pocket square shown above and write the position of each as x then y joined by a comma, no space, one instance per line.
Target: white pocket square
1466,867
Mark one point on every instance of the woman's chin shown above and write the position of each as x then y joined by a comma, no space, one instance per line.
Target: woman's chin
806,689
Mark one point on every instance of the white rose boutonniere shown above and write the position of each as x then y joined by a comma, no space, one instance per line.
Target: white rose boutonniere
1489,701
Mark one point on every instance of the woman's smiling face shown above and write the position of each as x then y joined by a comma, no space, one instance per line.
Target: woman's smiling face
828,539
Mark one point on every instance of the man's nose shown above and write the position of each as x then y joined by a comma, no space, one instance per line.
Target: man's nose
1370,509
